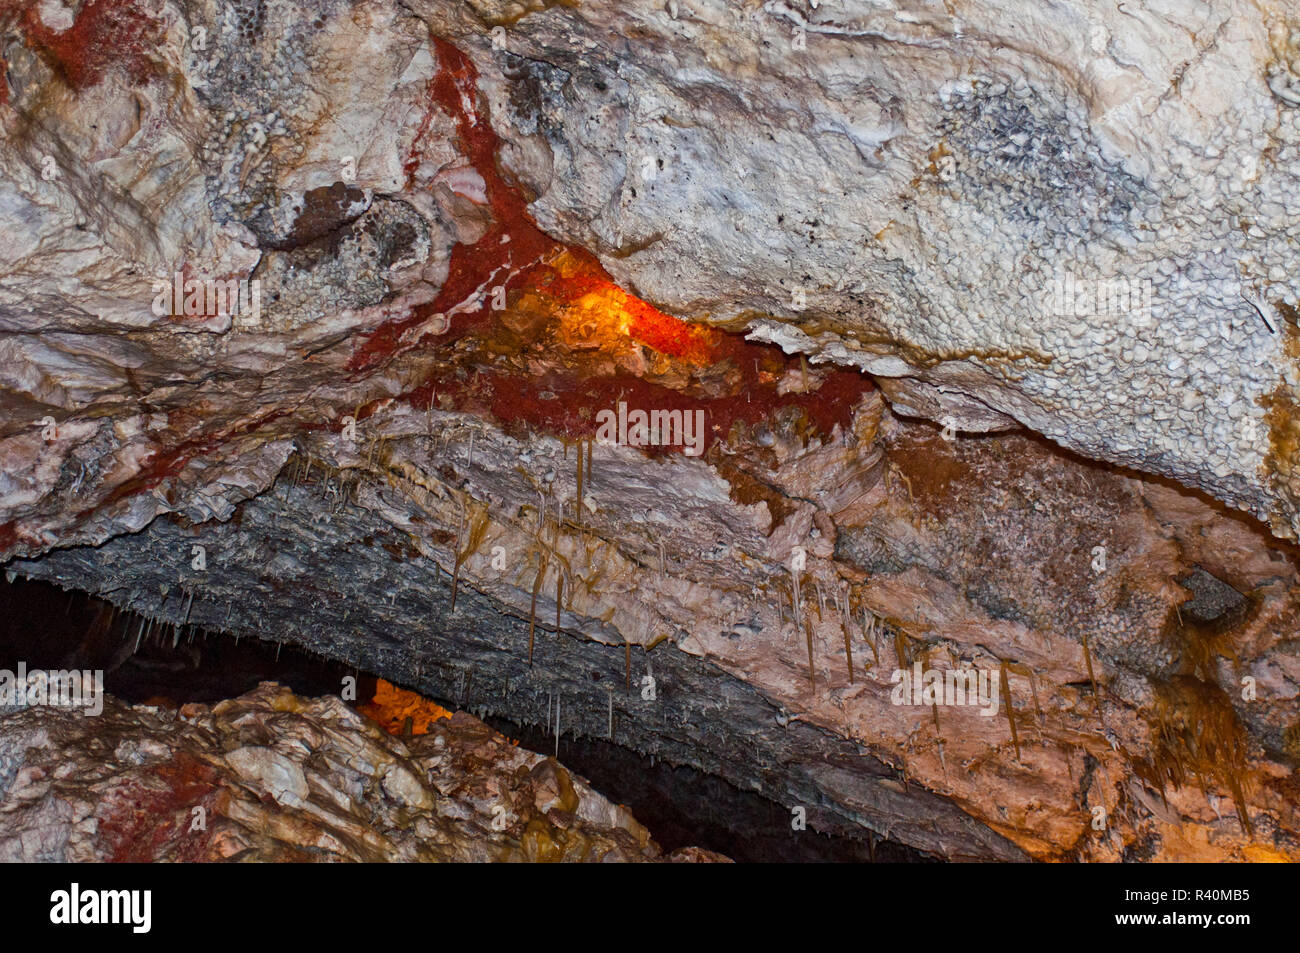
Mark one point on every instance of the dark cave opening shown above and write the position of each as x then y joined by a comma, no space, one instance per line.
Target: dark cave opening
48,627
45,626
684,807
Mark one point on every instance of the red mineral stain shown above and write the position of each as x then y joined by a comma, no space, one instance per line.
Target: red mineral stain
565,404
139,818
567,288
514,253
511,246
105,36
165,463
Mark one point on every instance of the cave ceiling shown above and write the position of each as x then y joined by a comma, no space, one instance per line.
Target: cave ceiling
723,369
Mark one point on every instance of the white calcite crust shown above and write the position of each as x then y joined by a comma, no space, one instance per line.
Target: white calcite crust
901,184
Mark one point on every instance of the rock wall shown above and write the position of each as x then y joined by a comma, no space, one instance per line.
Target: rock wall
448,236
271,777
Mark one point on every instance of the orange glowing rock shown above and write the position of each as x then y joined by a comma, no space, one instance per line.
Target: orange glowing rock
554,340
392,706
593,308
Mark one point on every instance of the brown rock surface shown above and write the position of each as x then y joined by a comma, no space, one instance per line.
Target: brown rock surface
270,776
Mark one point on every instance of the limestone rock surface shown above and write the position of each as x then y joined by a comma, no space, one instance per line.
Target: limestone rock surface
270,776
473,226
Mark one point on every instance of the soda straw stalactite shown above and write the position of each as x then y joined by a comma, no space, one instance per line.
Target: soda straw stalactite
812,674
1010,709
532,611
